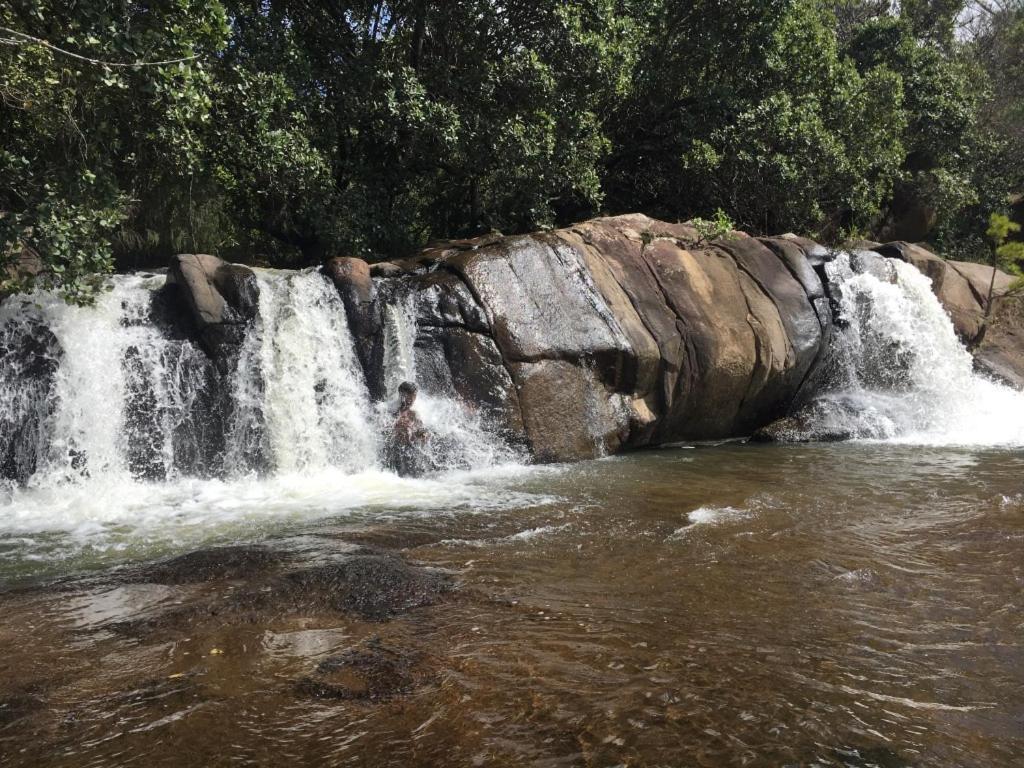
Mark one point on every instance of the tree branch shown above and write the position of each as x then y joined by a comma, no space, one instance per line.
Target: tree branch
23,39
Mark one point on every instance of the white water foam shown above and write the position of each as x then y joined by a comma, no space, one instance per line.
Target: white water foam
110,353
905,376
710,516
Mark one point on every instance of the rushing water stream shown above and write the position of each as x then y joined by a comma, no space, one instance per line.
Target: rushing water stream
853,604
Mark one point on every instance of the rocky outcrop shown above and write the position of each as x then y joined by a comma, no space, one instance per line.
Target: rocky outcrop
615,333
222,298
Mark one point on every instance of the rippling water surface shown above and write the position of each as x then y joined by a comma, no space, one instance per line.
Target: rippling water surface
848,605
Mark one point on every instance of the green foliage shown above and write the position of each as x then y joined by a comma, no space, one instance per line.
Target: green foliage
719,227
285,131
1009,254
82,134
734,112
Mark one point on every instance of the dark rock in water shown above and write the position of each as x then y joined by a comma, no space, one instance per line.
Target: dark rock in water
368,585
239,287
868,757
386,269
142,430
194,274
20,705
373,672
445,301
222,298
827,420
234,562
800,428
375,587
29,357
871,263
351,276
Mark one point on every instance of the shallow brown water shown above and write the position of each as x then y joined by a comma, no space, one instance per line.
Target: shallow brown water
735,605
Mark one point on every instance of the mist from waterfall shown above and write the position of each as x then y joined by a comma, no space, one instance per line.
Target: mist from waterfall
900,373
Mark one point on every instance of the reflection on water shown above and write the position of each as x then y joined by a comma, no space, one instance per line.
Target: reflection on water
731,605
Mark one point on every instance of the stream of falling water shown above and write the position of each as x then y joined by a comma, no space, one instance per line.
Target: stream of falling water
901,374
126,436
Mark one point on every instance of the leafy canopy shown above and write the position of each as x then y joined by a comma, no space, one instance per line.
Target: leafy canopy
285,131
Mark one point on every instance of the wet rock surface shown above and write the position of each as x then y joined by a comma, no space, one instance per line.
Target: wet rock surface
623,332
222,299
253,581
371,672
372,586
234,562
29,358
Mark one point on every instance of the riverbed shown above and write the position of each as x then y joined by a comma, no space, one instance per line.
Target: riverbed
708,605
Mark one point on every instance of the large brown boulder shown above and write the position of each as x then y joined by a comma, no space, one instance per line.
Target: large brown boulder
558,339
222,298
617,332
1000,353
981,277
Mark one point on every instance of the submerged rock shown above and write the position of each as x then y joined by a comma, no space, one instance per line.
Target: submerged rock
372,672
367,585
374,587
802,427
234,562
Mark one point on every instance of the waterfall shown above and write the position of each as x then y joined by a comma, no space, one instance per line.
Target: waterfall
458,437
120,392
300,400
899,371
118,395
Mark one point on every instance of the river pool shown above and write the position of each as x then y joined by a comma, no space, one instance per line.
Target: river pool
731,605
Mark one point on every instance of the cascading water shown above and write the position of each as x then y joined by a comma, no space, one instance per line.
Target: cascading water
458,438
118,393
300,401
900,373
117,429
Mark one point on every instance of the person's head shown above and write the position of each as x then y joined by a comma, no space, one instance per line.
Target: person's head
407,394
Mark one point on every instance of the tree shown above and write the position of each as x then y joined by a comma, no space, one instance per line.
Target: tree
729,110
99,101
370,127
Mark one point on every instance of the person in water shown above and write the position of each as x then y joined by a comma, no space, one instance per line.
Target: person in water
408,435
408,427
